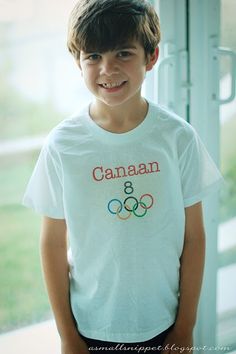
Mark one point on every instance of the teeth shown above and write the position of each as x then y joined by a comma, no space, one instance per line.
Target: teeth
111,85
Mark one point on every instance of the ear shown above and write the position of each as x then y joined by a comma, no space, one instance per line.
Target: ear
152,59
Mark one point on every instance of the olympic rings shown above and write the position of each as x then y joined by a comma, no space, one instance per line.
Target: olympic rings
117,209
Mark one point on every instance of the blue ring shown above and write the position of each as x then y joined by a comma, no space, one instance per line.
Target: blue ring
118,210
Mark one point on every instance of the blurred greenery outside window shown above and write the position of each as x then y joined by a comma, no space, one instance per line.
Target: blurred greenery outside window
226,292
39,86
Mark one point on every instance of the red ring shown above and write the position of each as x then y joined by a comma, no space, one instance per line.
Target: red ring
149,195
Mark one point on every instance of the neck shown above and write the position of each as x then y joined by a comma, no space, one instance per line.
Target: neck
120,118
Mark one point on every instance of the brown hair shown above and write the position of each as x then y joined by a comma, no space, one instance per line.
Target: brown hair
103,25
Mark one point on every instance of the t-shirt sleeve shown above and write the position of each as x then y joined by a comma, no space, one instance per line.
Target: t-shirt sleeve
199,174
44,192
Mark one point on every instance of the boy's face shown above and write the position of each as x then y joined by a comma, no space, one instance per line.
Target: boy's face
116,76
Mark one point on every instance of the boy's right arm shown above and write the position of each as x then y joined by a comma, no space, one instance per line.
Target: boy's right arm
53,246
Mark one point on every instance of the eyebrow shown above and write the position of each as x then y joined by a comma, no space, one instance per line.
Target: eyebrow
126,46
123,47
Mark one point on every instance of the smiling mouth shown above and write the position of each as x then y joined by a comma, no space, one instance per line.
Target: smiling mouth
109,85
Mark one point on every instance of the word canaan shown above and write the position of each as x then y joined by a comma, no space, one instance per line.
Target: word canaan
100,173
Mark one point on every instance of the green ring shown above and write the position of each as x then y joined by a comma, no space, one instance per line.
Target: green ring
135,206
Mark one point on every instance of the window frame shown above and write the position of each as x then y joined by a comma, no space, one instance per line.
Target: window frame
189,28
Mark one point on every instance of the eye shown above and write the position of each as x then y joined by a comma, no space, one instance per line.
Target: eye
93,57
124,54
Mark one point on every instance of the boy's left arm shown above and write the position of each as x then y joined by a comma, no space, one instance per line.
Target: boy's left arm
191,273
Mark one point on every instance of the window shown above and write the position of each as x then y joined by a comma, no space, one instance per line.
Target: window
188,83
39,86
226,290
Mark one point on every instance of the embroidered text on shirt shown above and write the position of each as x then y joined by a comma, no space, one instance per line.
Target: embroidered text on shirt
100,173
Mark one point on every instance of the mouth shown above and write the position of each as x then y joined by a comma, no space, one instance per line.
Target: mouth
112,85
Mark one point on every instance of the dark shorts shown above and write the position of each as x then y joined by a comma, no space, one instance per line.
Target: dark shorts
152,345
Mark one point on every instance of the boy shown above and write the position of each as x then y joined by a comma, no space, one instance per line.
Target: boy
124,179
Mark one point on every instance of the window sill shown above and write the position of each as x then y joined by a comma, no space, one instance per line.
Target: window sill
37,339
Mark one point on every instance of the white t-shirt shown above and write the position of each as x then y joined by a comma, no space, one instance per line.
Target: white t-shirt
123,198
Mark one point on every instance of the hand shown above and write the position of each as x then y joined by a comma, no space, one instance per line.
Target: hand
178,341
74,346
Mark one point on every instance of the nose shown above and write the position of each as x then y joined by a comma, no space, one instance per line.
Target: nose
109,67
